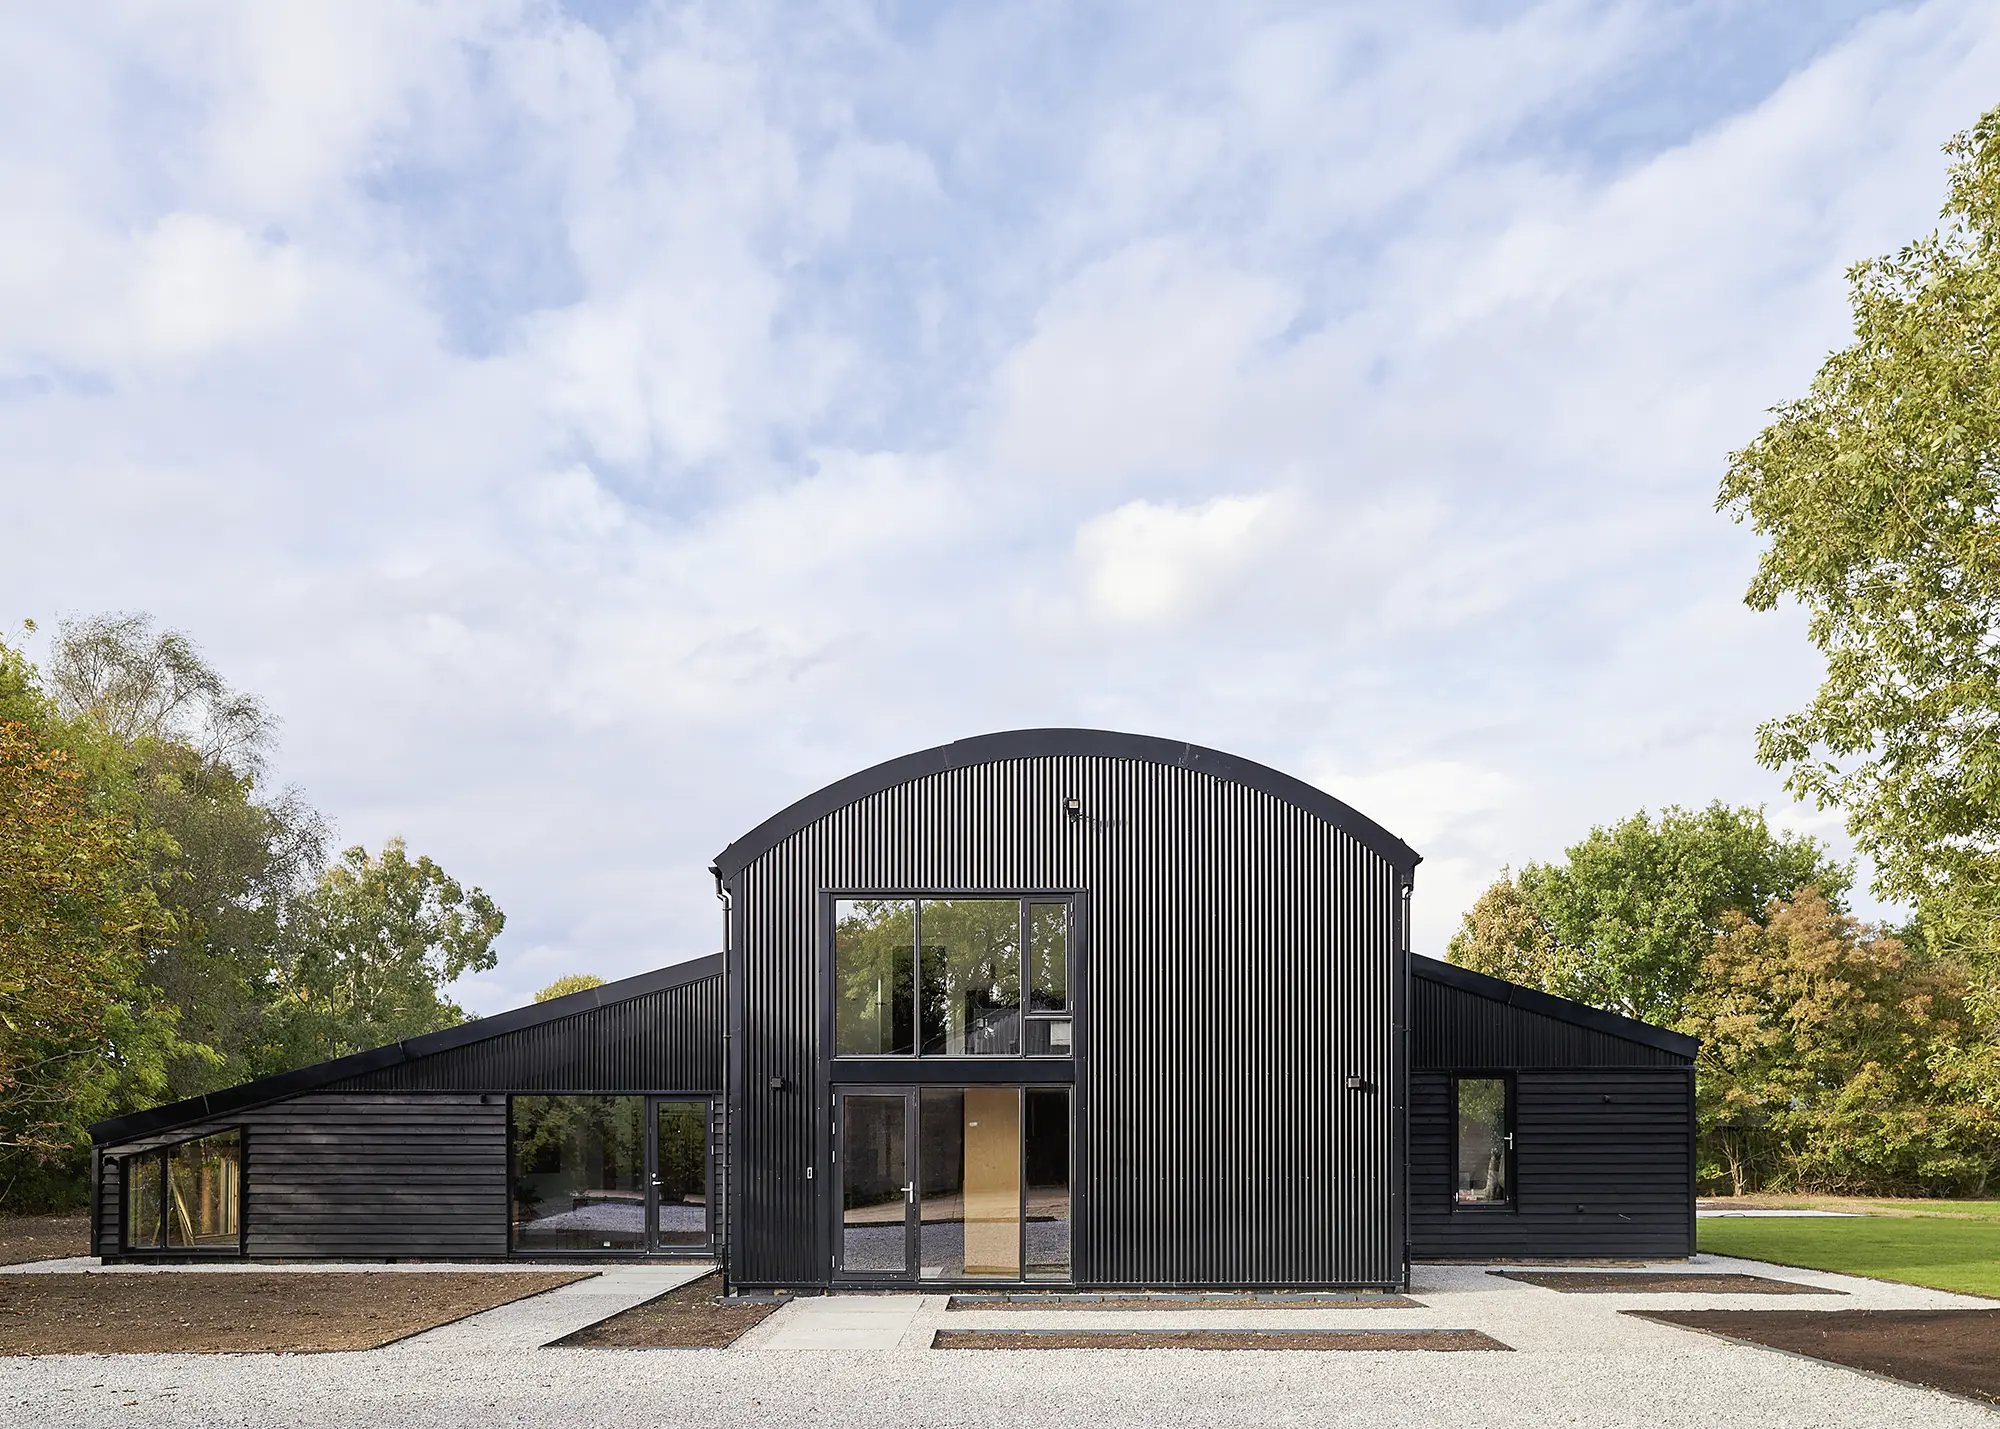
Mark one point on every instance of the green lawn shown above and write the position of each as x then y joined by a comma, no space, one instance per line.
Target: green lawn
1948,1253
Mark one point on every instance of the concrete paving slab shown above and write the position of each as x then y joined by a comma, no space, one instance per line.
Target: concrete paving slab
533,1322
841,1322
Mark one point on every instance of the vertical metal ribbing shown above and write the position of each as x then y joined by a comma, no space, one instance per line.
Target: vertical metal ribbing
1239,957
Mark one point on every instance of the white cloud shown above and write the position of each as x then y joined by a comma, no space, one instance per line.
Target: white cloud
590,441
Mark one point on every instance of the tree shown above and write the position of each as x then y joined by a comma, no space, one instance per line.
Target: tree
376,943
1626,922
79,1032
1834,1058
184,757
1879,495
569,983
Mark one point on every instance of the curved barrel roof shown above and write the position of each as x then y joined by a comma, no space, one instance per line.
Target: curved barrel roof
1041,743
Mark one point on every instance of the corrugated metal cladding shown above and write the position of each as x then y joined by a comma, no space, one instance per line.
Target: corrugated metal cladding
1453,1029
1604,1166
362,1176
1241,957
667,1041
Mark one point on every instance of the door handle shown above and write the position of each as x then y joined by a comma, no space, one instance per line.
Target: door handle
910,1192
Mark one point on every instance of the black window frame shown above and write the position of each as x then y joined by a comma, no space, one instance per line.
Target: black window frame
1513,1202
164,1151
1026,899
650,1249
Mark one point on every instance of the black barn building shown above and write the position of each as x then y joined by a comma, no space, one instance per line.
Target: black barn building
1057,1008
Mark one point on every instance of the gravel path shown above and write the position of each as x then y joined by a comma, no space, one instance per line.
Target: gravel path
1576,1362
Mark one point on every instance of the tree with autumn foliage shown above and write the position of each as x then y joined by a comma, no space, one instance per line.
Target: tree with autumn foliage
1836,1058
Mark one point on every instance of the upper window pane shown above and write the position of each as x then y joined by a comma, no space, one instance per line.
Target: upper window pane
1485,1147
971,988
1048,957
204,1192
874,977
579,1172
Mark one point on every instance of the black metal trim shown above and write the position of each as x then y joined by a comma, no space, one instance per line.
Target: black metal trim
1562,1009
1044,743
955,1071
310,1079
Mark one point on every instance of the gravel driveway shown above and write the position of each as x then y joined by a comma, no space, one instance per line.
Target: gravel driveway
1576,1361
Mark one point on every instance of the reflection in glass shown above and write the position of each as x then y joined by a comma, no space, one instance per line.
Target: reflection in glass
204,1180
874,953
970,1143
971,987
579,1172
1484,1145
144,1199
682,1182
1045,1155
1051,1037
874,1185
1048,957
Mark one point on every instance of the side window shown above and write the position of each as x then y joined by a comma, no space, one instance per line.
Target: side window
186,1197
1483,1165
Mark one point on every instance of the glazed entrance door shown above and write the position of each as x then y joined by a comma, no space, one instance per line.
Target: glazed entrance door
878,1188
679,1210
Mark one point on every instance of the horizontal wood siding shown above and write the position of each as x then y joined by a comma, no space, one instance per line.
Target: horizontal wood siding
365,1177
1602,1167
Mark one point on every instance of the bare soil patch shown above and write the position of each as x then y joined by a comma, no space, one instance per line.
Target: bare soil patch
690,1318
1957,1351
246,1312
1183,1302
1672,1282
1442,1340
29,1238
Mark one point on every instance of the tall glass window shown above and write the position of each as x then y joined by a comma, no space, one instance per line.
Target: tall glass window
874,974
188,1196
951,977
579,1172
971,988
1484,1174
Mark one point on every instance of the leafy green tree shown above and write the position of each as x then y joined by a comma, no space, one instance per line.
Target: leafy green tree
1836,1059
184,757
569,983
376,942
1627,920
1879,495
80,1033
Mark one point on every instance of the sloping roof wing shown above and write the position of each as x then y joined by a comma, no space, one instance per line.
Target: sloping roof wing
1563,1009
280,1085
1037,743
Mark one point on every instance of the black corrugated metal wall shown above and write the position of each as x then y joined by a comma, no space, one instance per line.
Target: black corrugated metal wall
1241,958
1604,1132
410,1160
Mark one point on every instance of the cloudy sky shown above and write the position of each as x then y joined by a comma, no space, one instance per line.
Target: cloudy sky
592,427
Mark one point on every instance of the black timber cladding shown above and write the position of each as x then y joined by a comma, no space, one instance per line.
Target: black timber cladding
402,1151
380,1176
1240,954
1604,1123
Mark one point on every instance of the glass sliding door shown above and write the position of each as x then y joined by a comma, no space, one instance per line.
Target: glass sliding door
969,1148
877,1191
680,1176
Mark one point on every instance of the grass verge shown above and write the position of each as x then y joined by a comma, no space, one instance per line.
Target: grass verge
1945,1253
